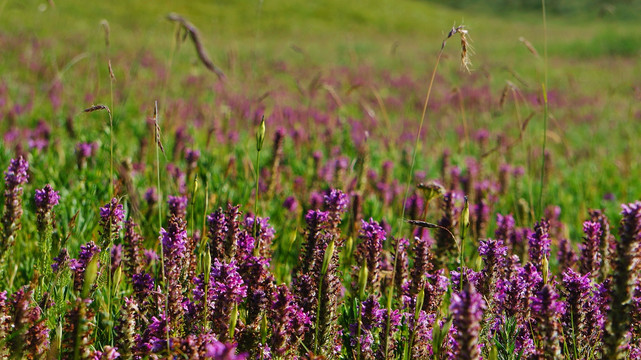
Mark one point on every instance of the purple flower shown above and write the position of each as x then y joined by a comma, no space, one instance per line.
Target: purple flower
422,265
290,204
539,243
216,232
289,322
624,268
493,253
590,256
132,245
369,250
192,156
445,245
143,283
85,151
229,290
546,311
178,176
402,263
111,215
566,255
78,266
467,311
150,256
15,176
16,173
177,206
336,203
265,234
371,314
60,261
151,196
314,243
219,351
46,198
414,206
422,330
578,305
116,257
174,242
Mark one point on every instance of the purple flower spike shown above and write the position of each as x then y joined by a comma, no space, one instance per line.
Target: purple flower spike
178,206
291,204
46,198
467,311
78,266
15,176
369,250
371,313
624,269
539,244
336,203
151,196
219,351
85,151
546,310
60,261
192,156
566,255
229,289
111,217
494,255
290,323
16,173
590,255
578,306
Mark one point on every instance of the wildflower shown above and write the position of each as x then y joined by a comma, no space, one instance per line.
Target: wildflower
151,196
467,311
111,216
85,151
590,256
15,176
566,255
289,322
369,250
79,266
445,245
45,200
577,299
539,244
546,311
624,262
493,253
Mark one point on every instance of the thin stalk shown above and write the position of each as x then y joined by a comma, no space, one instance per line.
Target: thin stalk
545,106
317,324
162,251
358,333
256,198
407,191
111,140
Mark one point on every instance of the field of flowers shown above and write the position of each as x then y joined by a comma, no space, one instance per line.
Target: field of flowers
172,200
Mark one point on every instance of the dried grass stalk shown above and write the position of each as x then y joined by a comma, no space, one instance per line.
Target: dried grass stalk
195,38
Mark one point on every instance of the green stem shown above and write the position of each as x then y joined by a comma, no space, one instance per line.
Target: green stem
545,107
257,247
407,191
162,250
